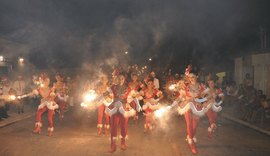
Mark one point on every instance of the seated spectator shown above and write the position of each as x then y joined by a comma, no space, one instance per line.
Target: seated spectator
232,89
251,101
266,107
260,108
266,104
248,82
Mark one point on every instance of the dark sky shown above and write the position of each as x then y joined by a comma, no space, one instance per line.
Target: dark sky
67,33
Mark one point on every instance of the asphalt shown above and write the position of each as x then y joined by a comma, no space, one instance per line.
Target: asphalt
30,111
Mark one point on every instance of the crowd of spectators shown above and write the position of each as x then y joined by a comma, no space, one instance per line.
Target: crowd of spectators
248,103
12,86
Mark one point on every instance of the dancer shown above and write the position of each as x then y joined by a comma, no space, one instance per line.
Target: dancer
190,99
151,97
103,88
215,98
119,111
134,87
47,104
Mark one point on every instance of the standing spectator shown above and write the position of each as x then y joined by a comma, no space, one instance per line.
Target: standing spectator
248,82
19,86
156,81
5,92
3,111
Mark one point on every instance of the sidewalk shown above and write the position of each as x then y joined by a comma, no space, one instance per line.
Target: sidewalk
14,117
247,124
227,113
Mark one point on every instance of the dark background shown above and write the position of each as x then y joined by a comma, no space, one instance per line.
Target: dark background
174,33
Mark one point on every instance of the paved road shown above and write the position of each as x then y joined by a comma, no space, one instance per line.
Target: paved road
77,135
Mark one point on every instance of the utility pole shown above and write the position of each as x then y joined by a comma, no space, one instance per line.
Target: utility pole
263,35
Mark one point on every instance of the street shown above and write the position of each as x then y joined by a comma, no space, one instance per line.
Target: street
77,135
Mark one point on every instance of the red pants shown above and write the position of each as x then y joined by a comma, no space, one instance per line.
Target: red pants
50,115
133,104
118,120
148,118
212,116
62,106
101,114
191,123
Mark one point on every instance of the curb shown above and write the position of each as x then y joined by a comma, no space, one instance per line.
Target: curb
245,124
16,120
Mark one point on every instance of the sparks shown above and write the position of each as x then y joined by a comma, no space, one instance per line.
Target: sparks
172,87
12,97
161,112
84,105
90,96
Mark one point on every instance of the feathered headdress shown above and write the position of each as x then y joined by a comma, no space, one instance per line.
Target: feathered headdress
188,70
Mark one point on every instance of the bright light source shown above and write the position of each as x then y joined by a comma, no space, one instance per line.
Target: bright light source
172,87
41,85
126,52
150,59
21,60
160,112
90,96
1,58
12,97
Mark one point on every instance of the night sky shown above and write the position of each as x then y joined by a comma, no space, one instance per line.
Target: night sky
70,33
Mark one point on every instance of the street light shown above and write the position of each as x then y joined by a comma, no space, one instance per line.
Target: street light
1,58
21,60
126,52
150,59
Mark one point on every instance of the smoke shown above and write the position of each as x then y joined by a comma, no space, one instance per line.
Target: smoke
162,118
75,33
